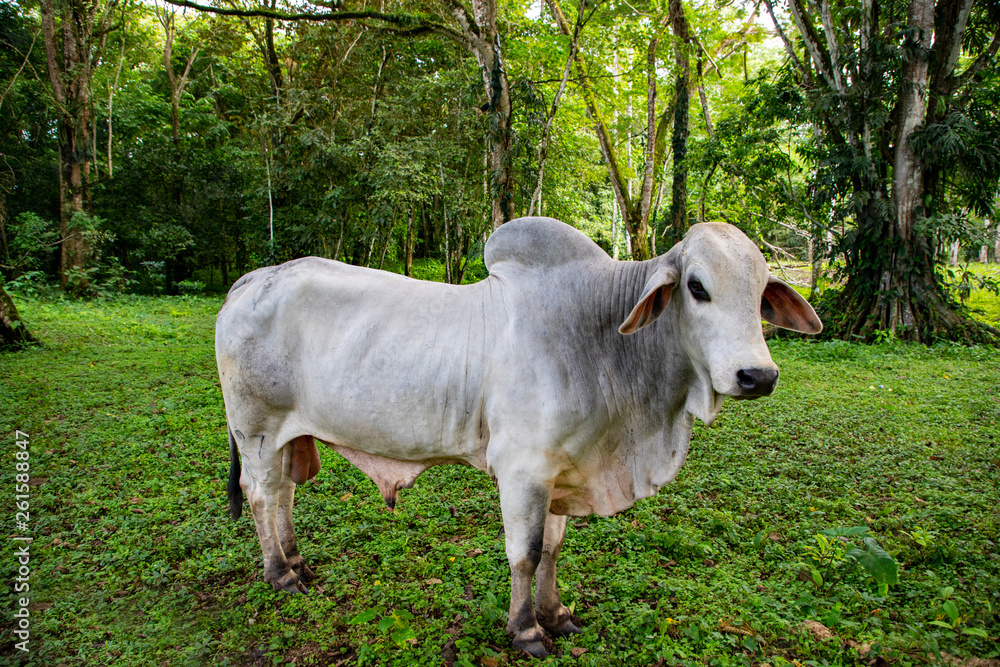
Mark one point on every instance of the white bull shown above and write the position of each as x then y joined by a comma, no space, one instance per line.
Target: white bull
571,379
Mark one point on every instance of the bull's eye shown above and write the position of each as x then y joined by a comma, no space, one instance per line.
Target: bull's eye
698,290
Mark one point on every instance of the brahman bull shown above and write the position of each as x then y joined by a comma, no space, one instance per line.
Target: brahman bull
571,379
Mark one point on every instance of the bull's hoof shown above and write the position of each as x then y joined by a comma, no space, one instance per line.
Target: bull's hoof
535,649
305,573
561,626
296,588
289,583
564,629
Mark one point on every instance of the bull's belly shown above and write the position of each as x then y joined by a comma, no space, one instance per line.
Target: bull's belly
394,440
396,419
389,474
401,443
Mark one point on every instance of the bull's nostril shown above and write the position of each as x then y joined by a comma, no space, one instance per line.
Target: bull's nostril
757,381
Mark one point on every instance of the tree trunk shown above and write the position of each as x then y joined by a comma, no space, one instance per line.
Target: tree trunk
70,58
385,245
13,332
908,301
614,229
408,266
682,105
6,185
501,173
74,163
480,35
177,83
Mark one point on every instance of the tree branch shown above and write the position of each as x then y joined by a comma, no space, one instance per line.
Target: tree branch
543,143
21,68
984,59
405,21
820,57
833,48
806,76
49,28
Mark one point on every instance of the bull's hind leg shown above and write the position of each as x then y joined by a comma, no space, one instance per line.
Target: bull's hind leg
299,463
550,611
261,480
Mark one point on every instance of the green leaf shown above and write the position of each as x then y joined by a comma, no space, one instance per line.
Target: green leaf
942,624
364,617
399,637
975,632
876,561
386,623
844,532
950,609
817,578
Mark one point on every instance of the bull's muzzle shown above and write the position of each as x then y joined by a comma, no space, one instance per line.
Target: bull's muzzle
754,382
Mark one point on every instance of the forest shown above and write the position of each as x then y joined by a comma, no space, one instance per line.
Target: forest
166,148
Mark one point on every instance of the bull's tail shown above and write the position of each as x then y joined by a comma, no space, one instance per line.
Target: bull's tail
233,490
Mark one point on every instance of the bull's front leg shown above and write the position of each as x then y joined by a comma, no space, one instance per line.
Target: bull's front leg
524,504
550,611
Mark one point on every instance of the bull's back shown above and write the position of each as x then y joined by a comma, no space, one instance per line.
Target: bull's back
361,358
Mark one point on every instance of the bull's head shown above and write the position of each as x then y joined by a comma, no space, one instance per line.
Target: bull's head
721,288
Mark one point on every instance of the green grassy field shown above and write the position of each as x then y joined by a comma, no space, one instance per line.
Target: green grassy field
135,562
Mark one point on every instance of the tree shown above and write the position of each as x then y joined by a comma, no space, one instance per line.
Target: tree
541,153
475,30
905,142
168,19
73,47
635,210
13,332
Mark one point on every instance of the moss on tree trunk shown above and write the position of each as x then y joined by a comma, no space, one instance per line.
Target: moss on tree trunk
901,295
13,332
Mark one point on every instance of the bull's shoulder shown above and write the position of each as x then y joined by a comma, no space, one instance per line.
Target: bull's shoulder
539,243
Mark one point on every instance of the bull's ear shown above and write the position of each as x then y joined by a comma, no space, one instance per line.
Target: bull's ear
783,306
653,300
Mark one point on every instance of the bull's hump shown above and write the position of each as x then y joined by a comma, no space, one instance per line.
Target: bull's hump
539,243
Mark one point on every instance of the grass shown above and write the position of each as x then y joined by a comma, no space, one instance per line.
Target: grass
135,562
981,303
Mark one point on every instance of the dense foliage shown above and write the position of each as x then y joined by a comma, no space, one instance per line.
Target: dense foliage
201,145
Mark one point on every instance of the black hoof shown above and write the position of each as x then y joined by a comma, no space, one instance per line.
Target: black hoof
305,574
535,649
565,629
296,588
561,626
290,583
